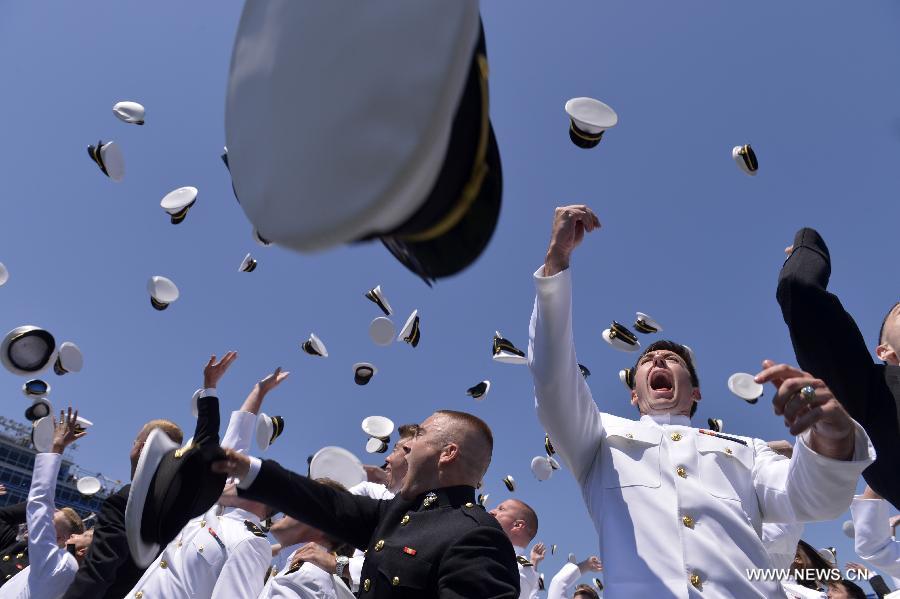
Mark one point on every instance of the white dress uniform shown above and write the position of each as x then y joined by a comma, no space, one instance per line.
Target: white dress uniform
873,540
780,541
306,582
215,556
678,514
375,491
561,584
528,575
52,569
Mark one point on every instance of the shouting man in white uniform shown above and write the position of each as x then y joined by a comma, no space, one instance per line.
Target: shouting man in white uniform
679,513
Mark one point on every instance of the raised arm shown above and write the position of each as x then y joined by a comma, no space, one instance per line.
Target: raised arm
562,583
564,403
349,518
242,424
873,540
826,340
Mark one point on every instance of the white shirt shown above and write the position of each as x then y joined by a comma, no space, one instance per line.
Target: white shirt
873,540
528,576
51,569
669,503
562,583
375,491
307,582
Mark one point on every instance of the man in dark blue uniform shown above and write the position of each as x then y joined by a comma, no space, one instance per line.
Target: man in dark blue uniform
431,541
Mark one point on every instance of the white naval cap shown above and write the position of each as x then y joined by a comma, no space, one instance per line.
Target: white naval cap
410,333
744,386
248,264
379,430
541,468
162,292
27,350
479,391
39,408
42,431
510,482
848,528
36,388
376,295
68,359
644,323
108,156
4,274
314,346
129,112
381,331
88,485
588,119
619,337
504,351
716,424
268,428
745,158
363,372
339,465
177,203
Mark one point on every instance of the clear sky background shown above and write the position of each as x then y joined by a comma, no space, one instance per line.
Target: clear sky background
686,236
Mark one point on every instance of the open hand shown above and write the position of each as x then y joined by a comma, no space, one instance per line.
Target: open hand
537,554
213,371
67,431
317,555
591,564
271,381
233,464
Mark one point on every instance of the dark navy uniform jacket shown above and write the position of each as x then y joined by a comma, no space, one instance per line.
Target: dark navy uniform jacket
439,545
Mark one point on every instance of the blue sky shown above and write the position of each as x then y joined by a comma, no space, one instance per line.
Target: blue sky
686,236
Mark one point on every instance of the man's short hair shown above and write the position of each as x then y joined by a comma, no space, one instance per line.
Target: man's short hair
73,520
682,352
407,430
172,430
480,429
530,517
585,591
853,589
884,323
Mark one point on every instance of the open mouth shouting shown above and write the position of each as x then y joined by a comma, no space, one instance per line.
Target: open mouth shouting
661,383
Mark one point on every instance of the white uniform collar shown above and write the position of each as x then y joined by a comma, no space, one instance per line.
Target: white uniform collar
237,513
663,419
519,550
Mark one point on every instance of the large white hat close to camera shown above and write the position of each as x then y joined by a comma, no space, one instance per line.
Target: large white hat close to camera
339,465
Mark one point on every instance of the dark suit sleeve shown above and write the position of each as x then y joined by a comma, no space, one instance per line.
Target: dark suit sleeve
108,551
347,517
879,586
207,430
11,517
826,340
481,564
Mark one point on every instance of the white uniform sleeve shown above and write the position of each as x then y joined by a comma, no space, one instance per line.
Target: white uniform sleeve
528,582
243,572
780,541
49,564
563,400
873,534
809,487
240,431
561,584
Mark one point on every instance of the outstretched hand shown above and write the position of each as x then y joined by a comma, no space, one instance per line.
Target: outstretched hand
832,429
570,223
271,381
538,552
233,464
591,564
213,371
67,431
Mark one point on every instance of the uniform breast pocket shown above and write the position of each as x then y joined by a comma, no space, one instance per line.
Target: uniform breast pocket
630,457
725,467
407,575
210,551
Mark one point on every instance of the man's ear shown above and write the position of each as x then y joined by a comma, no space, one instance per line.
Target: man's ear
886,353
634,401
695,394
449,453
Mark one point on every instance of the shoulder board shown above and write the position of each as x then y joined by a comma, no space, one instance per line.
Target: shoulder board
256,530
523,560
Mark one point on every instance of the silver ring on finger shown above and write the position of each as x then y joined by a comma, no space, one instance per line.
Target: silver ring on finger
808,393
